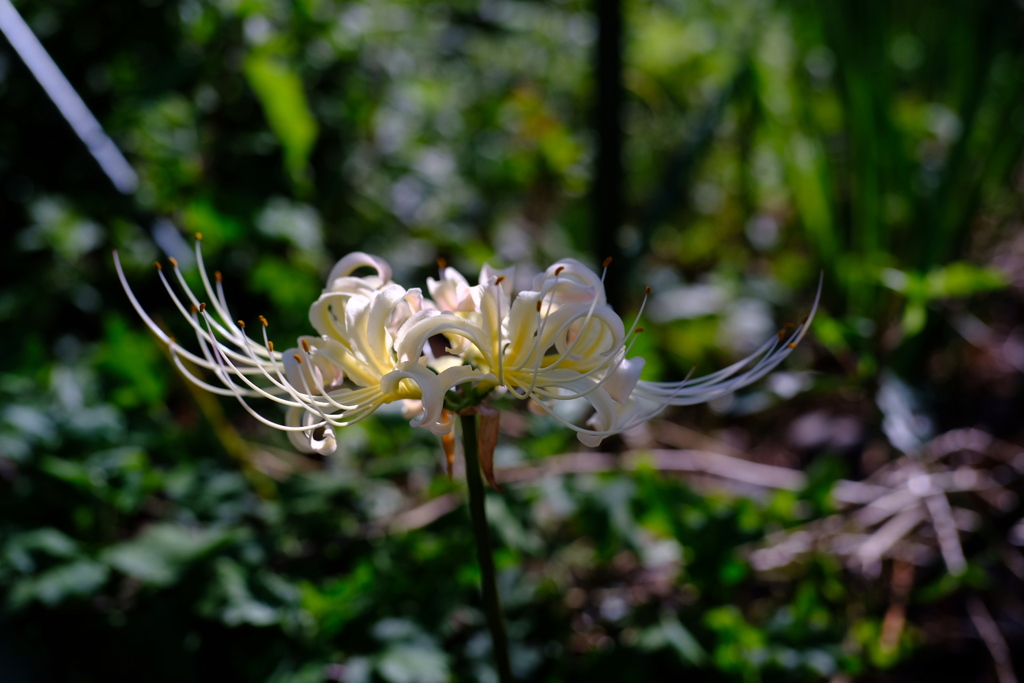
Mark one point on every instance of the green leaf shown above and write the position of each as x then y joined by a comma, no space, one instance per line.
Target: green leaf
960,279
509,528
289,288
413,664
279,89
160,553
342,600
134,357
119,476
670,632
203,217
19,548
955,280
232,600
79,578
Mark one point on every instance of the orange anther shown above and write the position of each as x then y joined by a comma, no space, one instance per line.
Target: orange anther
607,262
270,345
202,307
647,291
297,358
305,346
174,261
263,321
199,236
217,276
241,323
639,330
791,345
158,266
501,278
192,309
441,263
558,270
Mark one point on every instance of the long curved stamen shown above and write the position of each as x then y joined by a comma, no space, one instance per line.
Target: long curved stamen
766,348
270,423
610,372
225,326
540,332
537,352
154,328
305,385
161,335
218,354
608,369
192,297
579,335
497,332
321,387
700,391
176,359
280,382
217,301
195,324
643,305
208,340
252,347
705,388
769,355
566,326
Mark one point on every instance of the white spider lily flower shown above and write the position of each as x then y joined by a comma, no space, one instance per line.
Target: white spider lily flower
326,382
564,342
560,341
585,356
452,292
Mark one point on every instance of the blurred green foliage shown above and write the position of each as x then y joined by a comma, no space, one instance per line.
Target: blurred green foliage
151,533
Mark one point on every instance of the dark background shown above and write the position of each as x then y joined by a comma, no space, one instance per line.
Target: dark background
724,153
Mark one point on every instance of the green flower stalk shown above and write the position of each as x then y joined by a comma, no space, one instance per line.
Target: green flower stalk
559,341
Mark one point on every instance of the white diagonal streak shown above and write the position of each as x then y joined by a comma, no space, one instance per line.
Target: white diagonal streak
63,94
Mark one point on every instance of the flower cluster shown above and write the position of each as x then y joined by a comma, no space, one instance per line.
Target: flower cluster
378,342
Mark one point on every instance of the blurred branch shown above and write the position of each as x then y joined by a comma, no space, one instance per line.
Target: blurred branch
695,462
894,497
888,535
945,528
900,496
67,100
993,638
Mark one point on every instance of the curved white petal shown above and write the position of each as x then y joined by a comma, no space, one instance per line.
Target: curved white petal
624,379
452,292
430,389
340,278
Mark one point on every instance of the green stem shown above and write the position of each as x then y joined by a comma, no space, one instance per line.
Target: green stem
488,582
